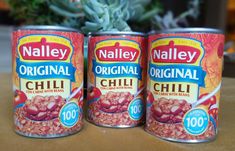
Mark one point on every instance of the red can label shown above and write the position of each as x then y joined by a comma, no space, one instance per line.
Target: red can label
184,79
116,81
48,82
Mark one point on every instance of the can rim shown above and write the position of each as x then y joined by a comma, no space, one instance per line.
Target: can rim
188,30
101,33
46,27
191,141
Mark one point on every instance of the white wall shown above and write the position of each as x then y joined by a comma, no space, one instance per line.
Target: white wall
5,49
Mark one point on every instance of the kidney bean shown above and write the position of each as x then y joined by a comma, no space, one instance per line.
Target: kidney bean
176,109
54,114
164,118
41,115
178,119
51,106
112,109
124,108
105,103
42,107
33,110
157,111
122,101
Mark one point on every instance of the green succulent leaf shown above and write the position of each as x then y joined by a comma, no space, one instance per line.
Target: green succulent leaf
65,13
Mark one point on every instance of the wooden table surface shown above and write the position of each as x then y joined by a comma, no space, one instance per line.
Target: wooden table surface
93,138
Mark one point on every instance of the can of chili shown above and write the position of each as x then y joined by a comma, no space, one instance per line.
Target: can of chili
183,84
47,77
116,78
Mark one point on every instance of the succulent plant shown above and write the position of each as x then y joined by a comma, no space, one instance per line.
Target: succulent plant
105,15
169,21
101,15
33,12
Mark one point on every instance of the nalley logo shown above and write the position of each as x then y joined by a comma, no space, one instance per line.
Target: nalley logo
44,50
175,54
117,53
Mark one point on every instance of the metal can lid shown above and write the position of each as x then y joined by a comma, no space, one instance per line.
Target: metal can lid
46,27
102,33
188,30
